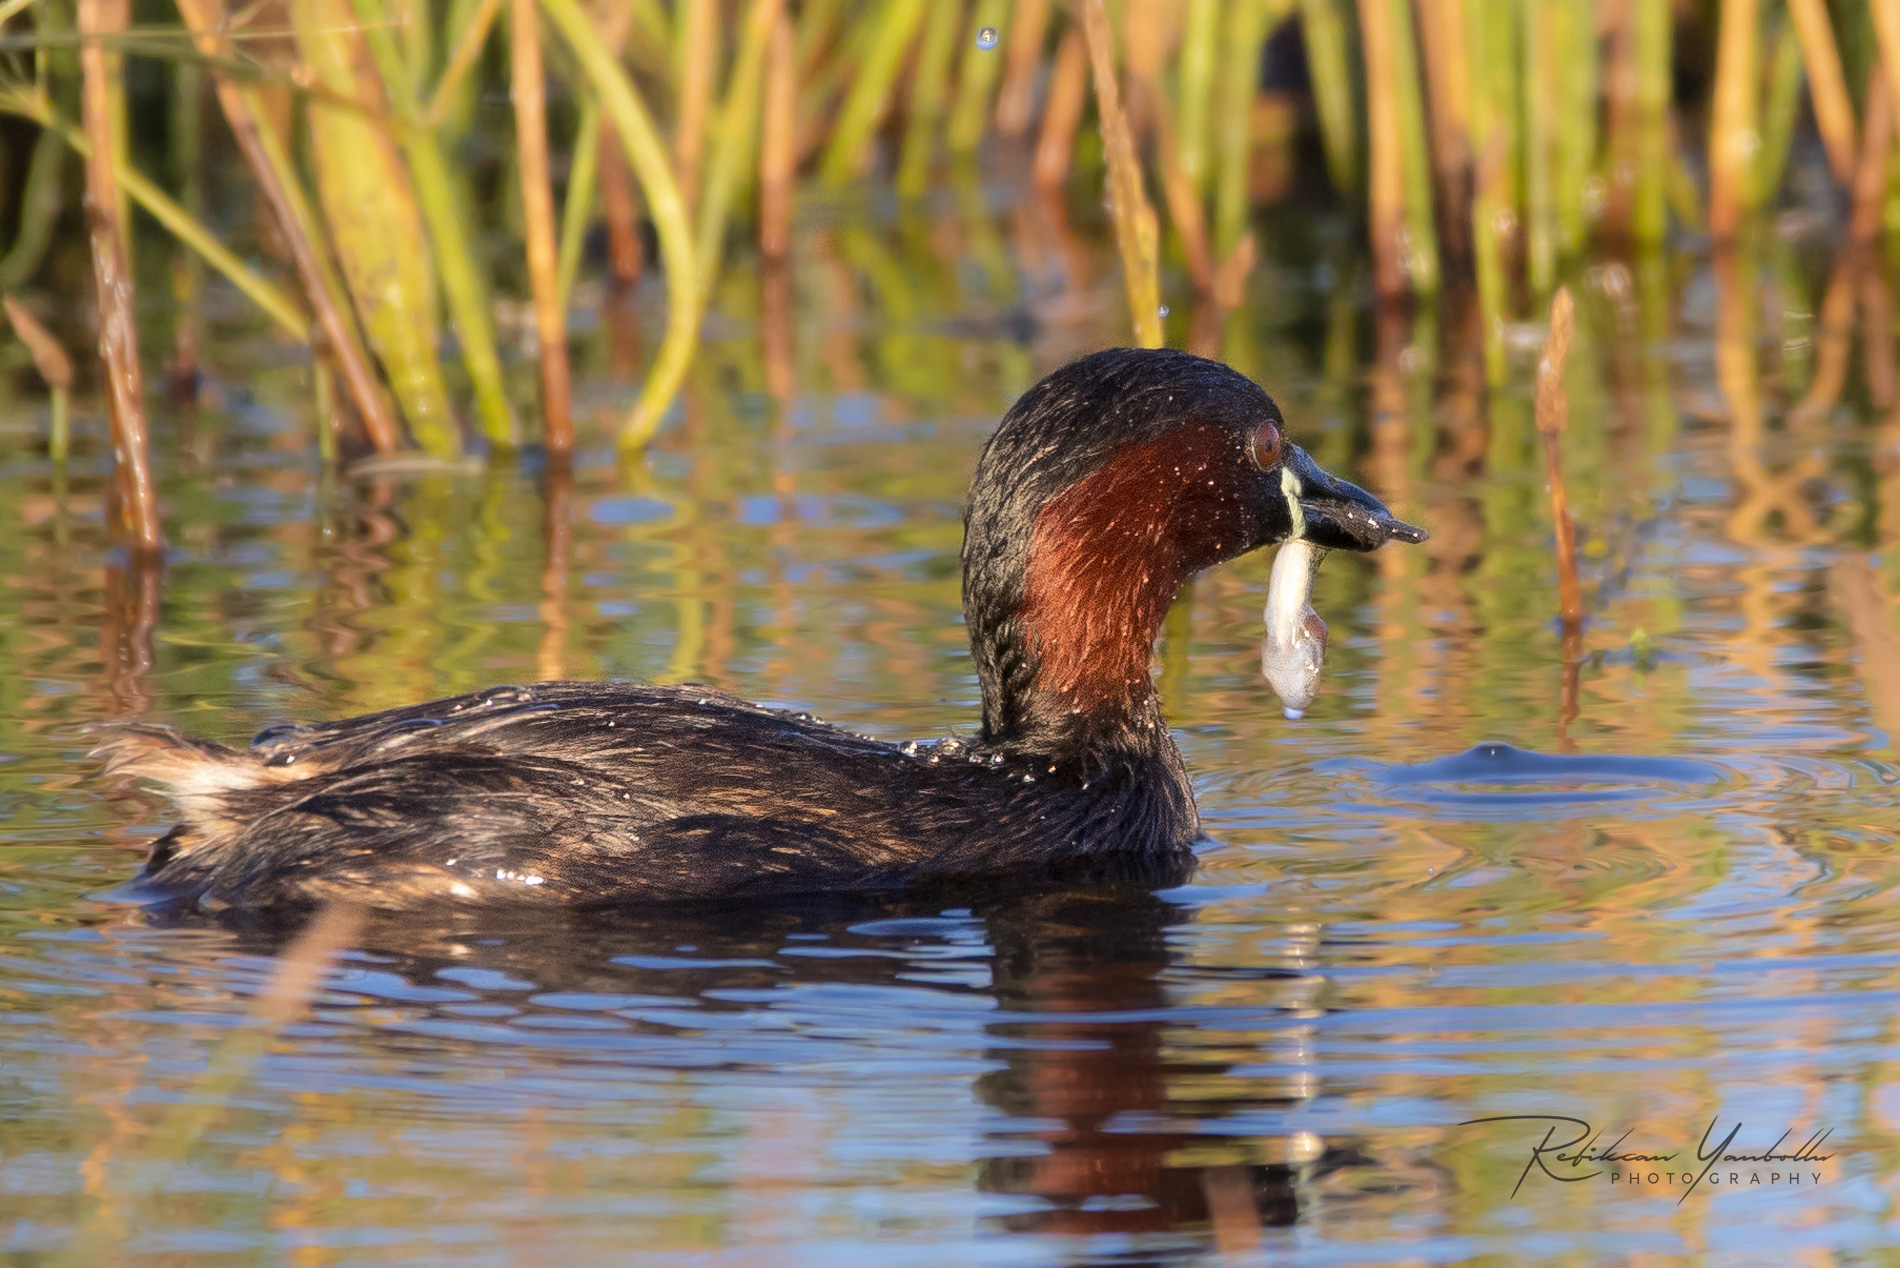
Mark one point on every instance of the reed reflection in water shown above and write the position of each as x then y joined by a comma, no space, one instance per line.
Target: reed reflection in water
1385,939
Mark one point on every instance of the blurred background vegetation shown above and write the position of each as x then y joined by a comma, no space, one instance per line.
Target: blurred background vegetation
392,182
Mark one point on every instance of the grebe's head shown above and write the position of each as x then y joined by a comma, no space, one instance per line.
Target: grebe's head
1107,486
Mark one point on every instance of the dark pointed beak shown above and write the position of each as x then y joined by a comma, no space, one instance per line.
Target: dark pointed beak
1338,514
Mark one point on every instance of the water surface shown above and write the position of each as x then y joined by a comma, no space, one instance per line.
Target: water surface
1641,879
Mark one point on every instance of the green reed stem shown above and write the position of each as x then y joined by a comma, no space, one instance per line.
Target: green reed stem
970,116
468,51
1330,68
1780,113
577,211
40,203
896,25
1649,219
180,223
930,89
735,136
1247,26
1200,38
1574,48
647,156
1490,200
462,283
1536,20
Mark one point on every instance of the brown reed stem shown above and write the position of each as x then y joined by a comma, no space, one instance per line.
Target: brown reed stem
1827,86
1735,126
101,21
537,212
1870,175
1136,233
699,52
1553,414
271,169
1441,26
1016,100
1385,194
778,146
54,366
626,253
1068,94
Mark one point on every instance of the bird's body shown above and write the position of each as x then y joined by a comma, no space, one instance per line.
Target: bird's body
1107,486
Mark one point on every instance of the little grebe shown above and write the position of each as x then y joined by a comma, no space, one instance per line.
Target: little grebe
1107,486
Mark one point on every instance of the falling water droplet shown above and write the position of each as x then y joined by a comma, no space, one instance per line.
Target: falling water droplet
1162,311
986,38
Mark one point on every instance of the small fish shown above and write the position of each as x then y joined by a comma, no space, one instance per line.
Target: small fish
1294,650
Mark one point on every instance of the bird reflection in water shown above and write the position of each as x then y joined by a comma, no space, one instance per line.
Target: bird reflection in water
1091,1134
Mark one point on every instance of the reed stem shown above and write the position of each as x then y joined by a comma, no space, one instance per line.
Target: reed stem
1553,415
698,56
896,27
577,206
55,370
647,156
1827,86
1734,127
1028,30
981,68
778,144
277,181
1324,32
537,212
1651,36
735,135
930,90
100,22
1136,233
1068,96
1200,39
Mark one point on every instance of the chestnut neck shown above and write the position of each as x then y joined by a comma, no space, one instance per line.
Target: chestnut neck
1068,673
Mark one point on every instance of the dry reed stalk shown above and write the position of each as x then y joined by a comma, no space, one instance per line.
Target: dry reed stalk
55,369
1136,233
276,180
1385,193
699,53
99,23
778,145
1441,28
1068,94
1016,100
1870,174
1553,414
626,253
1827,86
1886,15
1734,128
529,80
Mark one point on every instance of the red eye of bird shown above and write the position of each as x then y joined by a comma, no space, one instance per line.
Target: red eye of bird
1266,446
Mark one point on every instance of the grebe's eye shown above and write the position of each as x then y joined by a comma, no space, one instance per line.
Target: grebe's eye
1265,447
